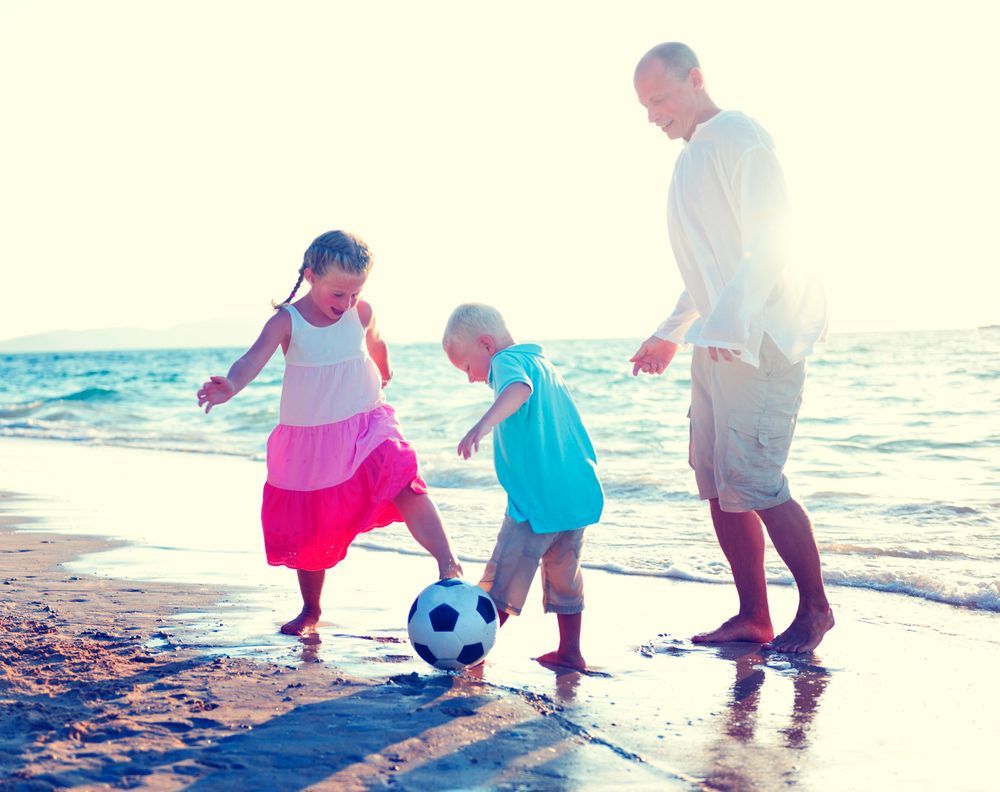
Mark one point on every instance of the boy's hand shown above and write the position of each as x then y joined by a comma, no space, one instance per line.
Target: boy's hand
470,443
216,391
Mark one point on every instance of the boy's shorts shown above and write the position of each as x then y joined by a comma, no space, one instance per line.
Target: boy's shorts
515,560
742,421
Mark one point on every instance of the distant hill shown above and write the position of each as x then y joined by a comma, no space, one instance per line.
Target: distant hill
237,331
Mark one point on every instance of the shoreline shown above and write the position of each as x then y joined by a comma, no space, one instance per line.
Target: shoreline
97,691
89,701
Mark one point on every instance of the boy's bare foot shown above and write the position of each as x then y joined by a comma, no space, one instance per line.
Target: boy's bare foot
738,628
805,632
571,661
450,569
301,624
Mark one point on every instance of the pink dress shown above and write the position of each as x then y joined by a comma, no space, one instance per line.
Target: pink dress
337,458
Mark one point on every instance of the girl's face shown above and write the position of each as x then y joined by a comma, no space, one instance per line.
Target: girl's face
334,292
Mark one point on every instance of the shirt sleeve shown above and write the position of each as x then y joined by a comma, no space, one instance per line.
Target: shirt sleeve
506,370
759,186
676,325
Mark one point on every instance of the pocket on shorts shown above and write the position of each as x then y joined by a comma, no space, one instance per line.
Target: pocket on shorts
758,446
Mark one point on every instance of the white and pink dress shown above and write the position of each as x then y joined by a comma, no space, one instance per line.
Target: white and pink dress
337,457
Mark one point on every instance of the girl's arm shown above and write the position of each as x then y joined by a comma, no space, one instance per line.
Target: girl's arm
377,348
218,390
508,402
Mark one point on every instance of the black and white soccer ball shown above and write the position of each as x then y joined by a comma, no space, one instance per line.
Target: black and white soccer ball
452,624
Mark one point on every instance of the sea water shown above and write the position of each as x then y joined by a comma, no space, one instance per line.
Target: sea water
895,453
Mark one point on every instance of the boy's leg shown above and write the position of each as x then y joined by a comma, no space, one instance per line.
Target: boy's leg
562,579
424,522
512,566
311,586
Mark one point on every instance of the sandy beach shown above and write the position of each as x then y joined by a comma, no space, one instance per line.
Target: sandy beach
129,664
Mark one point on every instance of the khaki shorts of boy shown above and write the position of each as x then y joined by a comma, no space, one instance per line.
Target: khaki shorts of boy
516,557
742,421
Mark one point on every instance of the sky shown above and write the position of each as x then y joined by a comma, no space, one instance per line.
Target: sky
169,163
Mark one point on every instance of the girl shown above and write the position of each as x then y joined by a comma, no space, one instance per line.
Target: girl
337,463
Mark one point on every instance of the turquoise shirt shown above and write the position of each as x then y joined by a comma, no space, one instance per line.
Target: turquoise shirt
543,455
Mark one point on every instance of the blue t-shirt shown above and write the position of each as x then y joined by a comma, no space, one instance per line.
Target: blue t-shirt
543,455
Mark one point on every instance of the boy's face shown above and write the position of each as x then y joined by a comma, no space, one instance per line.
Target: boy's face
472,356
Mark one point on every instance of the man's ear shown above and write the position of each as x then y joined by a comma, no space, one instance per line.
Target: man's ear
488,343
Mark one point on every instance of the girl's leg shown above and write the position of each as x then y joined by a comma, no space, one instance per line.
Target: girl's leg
311,586
424,522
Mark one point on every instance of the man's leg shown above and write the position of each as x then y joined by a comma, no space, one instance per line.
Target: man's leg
791,532
742,540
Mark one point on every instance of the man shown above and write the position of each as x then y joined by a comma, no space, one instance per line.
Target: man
752,320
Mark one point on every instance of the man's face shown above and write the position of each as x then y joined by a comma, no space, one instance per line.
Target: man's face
672,104
472,357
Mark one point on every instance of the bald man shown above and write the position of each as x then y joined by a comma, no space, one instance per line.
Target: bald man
752,319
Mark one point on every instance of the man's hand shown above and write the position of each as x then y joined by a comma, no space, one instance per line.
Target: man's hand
726,354
470,443
653,356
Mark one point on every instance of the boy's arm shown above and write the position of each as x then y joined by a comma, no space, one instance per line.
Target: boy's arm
507,403
221,389
378,350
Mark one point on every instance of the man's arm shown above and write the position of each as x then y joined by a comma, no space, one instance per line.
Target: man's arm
656,352
760,188
507,403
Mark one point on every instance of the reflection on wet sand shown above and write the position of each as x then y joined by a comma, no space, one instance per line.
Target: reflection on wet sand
744,758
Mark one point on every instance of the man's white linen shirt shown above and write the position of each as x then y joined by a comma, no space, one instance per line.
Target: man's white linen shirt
726,214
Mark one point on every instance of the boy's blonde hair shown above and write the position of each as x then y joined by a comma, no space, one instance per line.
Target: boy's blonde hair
471,320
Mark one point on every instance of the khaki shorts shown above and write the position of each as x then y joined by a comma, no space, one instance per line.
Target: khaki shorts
515,560
742,421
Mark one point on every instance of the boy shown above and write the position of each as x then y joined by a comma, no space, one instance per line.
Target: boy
544,461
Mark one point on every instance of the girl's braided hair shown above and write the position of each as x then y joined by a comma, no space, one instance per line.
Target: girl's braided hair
340,249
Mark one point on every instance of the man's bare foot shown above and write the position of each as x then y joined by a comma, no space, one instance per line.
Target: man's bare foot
738,628
450,569
301,624
556,659
805,632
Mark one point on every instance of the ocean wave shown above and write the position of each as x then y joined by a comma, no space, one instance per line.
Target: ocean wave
89,395
19,410
982,595
846,548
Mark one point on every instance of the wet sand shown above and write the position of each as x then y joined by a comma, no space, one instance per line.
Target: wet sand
142,676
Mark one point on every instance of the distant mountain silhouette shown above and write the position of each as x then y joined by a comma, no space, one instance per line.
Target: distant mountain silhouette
239,331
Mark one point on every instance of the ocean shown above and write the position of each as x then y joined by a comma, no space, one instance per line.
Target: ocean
895,454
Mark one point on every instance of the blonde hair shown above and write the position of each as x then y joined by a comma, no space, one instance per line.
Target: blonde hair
470,320
340,249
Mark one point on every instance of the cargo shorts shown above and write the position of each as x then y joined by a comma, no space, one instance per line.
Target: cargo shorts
742,422
516,558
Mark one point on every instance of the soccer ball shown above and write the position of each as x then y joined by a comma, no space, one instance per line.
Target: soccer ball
452,624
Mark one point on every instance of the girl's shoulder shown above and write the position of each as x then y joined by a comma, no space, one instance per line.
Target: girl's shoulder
365,313
279,323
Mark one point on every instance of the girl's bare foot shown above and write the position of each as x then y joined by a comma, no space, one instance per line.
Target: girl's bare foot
738,628
450,569
301,624
556,658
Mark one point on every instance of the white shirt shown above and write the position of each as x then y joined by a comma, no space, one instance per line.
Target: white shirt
726,213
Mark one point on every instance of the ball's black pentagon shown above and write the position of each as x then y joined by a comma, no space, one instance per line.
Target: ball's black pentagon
413,609
443,618
449,582
486,609
471,653
425,653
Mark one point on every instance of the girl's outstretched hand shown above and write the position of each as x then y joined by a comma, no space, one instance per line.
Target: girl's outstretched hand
216,391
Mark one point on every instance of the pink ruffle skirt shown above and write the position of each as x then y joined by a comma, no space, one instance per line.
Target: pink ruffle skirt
327,484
